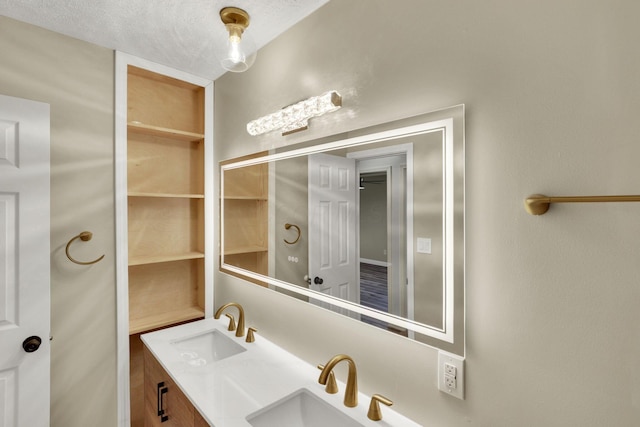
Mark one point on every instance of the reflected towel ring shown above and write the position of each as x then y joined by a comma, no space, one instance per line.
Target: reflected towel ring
288,226
85,236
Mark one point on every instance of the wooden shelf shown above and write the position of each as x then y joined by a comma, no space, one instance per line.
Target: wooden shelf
245,250
246,217
154,259
248,198
160,320
180,135
161,226
165,195
166,149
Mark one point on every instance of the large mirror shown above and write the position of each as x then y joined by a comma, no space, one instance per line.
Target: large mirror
369,224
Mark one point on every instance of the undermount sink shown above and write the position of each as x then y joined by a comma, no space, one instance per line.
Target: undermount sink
301,409
207,347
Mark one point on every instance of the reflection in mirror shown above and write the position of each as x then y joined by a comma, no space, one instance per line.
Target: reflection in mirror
370,226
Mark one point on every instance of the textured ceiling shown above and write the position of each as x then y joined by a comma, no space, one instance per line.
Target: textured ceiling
177,33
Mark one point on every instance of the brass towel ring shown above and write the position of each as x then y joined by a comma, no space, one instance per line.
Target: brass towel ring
288,226
85,236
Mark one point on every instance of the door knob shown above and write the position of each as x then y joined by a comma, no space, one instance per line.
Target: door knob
318,280
31,344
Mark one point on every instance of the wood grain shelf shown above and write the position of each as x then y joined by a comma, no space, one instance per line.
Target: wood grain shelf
165,195
154,259
164,319
245,250
166,152
162,132
248,198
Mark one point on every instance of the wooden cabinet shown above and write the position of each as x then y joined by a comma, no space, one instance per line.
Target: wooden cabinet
199,421
165,188
164,167
164,403
246,213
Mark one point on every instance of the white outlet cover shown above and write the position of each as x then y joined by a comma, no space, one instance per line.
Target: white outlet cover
445,359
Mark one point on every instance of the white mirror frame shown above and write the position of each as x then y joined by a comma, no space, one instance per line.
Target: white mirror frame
450,269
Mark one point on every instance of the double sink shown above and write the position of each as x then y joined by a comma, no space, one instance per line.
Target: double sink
233,383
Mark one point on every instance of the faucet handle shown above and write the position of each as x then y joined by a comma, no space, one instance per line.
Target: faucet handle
332,386
250,335
232,322
375,413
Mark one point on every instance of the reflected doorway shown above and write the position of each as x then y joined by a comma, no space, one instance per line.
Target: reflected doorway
382,233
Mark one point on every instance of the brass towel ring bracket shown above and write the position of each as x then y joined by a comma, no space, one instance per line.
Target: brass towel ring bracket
538,204
85,236
288,226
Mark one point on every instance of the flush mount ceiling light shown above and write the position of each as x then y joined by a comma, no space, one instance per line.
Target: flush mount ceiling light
296,117
240,50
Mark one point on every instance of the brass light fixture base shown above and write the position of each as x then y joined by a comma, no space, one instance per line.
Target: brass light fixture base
235,16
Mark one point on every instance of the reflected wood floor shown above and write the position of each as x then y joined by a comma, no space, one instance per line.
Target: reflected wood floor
373,291
373,286
374,294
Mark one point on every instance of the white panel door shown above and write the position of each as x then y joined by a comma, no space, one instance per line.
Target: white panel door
24,263
332,227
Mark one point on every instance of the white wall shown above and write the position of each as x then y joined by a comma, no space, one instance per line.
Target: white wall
552,93
76,79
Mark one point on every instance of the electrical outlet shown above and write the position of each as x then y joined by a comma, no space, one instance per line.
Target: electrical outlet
451,374
450,369
450,381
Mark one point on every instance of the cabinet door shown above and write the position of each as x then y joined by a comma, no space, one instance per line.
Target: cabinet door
165,404
199,420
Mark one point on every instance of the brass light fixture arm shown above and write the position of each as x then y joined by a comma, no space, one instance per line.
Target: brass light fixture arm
538,204
288,226
85,236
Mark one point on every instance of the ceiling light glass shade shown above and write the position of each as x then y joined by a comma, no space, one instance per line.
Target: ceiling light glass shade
240,50
239,55
296,117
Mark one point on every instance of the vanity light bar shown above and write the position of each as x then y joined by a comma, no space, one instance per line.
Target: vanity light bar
296,117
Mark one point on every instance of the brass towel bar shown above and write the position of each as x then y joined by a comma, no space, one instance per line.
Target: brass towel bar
538,204
85,236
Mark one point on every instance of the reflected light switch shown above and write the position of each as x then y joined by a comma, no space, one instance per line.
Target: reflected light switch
424,245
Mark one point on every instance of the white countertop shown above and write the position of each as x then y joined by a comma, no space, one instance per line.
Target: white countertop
225,392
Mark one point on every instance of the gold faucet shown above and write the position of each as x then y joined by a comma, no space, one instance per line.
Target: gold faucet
332,386
232,322
240,330
351,393
375,413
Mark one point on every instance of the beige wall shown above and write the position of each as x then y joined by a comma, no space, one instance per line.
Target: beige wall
551,90
552,93
291,206
76,79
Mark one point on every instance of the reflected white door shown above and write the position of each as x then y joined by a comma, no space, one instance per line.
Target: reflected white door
24,263
332,227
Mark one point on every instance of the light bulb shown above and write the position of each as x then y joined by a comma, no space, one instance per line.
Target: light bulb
234,53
